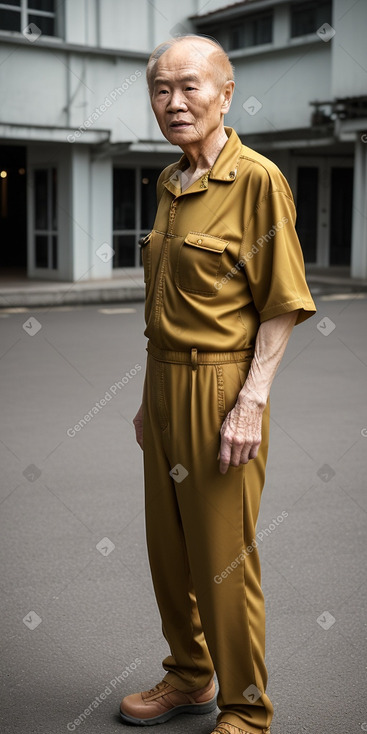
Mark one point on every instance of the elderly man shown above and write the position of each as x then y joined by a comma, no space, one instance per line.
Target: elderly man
225,285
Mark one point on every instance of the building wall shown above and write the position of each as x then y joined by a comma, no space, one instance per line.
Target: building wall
80,102
64,88
349,49
284,82
137,25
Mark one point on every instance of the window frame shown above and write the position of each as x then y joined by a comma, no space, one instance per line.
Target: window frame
25,11
320,13
50,232
252,18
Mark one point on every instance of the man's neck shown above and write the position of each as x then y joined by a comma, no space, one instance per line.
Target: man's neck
202,155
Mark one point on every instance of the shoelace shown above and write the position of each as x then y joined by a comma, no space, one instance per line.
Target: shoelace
156,688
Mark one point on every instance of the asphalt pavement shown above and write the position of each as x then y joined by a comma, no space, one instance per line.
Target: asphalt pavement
80,626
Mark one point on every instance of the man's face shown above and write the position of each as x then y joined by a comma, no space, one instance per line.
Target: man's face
186,97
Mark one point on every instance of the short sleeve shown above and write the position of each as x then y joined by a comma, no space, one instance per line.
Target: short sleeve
272,257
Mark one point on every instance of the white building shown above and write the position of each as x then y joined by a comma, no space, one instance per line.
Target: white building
80,150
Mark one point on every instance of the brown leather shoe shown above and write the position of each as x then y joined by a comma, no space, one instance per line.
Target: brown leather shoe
164,701
225,728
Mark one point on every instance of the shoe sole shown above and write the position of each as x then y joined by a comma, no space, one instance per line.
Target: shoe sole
191,708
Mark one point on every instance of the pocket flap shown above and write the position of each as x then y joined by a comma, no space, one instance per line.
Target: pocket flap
144,240
206,242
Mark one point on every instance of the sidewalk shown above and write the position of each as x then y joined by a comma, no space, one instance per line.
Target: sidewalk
18,291
22,292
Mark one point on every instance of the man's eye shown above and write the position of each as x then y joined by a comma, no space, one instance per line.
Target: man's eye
163,91
190,89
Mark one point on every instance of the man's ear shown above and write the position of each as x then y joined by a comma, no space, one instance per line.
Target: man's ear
227,92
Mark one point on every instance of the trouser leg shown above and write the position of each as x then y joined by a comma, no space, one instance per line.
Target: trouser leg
217,517
189,666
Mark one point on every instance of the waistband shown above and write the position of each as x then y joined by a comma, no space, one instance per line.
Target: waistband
194,357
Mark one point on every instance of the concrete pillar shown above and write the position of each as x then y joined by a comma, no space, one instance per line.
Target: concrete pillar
79,212
101,217
90,215
359,226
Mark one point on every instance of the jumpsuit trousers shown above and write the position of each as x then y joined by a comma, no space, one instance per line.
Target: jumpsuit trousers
200,525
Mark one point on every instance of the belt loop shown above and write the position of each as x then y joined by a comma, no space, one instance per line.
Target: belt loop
194,358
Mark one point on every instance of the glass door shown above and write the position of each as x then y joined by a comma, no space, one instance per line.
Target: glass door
134,206
45,226
324,198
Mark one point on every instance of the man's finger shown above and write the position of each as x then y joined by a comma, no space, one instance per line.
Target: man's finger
236,454
245,455
225,455
139,433
254,451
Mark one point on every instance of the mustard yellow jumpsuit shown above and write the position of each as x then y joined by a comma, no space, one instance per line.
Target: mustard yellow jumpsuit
222,257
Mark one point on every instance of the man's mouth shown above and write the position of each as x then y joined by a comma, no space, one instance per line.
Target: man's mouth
180,125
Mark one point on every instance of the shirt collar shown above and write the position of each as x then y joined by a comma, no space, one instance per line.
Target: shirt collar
223,169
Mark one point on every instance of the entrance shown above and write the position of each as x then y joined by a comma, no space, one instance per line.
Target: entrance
13,208
324,209
134,205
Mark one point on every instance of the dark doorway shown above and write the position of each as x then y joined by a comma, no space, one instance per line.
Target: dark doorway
307,211
341,215
134,207
13,207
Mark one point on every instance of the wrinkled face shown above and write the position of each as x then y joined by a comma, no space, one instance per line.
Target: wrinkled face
186,98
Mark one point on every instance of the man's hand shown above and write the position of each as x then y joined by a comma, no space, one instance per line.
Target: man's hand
240,433
138,423
241,429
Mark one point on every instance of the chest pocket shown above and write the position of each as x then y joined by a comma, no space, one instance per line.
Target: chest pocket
199,262
146,255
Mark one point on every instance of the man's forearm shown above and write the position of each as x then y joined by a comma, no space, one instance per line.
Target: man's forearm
271,341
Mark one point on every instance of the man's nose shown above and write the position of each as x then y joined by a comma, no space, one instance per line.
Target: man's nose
176,102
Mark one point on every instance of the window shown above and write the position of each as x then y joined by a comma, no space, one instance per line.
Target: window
134,206
16,15
308,17
252,31
45,218
218,33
